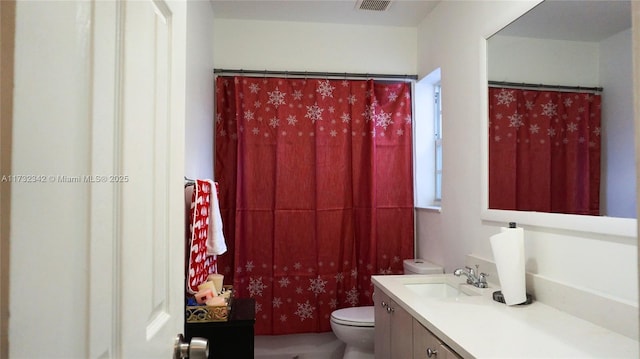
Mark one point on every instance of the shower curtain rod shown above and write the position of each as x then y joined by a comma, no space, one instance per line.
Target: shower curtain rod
315,74
543,86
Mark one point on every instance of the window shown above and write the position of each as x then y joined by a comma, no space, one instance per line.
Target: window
428,141
437,129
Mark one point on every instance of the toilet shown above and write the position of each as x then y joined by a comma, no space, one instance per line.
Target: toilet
355,326
421,266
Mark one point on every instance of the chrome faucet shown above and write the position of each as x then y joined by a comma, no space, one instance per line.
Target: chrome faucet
479,281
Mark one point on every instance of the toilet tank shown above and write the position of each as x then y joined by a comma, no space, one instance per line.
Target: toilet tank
421,266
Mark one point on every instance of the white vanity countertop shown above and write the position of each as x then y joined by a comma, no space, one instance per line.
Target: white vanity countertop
478,327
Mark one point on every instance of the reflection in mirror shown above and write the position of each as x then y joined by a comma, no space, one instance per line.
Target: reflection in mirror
541,112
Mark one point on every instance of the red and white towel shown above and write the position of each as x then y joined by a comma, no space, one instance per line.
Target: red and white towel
206,239
198,266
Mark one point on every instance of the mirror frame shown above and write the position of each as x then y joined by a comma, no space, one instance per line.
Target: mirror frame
613,226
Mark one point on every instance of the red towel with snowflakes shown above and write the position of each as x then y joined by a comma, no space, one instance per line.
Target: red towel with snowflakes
199,265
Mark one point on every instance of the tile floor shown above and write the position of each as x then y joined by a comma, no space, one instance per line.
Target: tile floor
299,346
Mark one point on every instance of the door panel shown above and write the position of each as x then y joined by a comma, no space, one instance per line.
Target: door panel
149,216
137,230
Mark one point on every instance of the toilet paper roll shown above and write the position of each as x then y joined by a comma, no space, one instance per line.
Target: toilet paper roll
508,253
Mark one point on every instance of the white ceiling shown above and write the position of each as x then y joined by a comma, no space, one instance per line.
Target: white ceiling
399,13
586,20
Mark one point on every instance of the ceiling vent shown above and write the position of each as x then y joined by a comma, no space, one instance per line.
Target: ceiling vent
374,5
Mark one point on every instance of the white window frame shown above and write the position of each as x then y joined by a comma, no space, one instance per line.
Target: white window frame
437,129
427,141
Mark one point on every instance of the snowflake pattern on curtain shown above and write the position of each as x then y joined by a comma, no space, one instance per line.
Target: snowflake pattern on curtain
546,121
544,150
290,143
259,117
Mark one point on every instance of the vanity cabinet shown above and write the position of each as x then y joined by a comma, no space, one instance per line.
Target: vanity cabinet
399,335
393,328
427,346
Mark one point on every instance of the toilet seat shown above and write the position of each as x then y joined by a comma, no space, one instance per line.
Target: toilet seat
354,316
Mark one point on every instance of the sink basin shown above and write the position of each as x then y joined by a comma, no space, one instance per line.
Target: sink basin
436,290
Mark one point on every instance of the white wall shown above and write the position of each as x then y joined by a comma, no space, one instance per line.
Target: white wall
293,46
453,37
617,113
538,61
199,98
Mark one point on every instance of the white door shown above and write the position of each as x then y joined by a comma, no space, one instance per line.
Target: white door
137,220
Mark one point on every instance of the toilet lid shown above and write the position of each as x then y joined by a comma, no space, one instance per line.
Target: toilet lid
354,316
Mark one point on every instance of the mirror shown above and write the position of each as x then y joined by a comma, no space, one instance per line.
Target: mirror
579,44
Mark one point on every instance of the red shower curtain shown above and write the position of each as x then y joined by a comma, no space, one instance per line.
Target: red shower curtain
544,151
316,193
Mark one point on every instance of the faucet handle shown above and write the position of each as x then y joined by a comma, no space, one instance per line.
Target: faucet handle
482,280
471,271
477,268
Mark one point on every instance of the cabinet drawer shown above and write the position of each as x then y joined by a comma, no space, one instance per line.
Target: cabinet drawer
427,346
